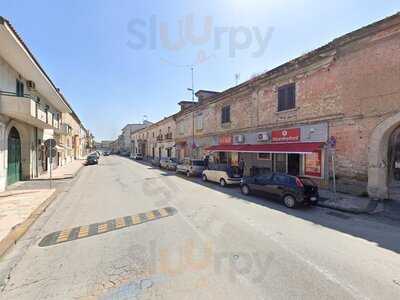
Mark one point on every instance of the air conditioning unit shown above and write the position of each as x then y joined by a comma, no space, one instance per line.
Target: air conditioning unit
262,137
30,85
239,139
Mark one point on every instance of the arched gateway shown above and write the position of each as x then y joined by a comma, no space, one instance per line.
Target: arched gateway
14,156
384,160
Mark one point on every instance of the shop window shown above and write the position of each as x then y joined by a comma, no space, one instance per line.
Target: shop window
287,97
226,114
313,164
264,156
280,162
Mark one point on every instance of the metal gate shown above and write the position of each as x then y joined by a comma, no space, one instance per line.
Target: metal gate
14,157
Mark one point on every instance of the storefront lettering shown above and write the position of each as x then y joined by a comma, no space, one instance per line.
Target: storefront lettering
286,135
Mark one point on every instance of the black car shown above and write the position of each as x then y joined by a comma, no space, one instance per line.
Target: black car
92,160
292,190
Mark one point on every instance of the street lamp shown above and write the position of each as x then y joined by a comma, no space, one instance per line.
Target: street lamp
192,90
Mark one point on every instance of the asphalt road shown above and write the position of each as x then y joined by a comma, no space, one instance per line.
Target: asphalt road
194,241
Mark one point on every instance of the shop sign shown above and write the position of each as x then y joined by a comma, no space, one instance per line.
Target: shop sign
263,137
313,164
225,140
286,135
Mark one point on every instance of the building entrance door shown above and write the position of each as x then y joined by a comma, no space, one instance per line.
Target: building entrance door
294,164
14,157
394,165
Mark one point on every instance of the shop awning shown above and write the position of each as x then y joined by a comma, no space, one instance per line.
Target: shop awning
299,148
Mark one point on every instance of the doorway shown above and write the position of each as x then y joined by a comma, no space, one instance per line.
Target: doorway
14,157
294,164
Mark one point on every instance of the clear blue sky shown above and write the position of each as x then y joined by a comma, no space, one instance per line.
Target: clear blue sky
87,47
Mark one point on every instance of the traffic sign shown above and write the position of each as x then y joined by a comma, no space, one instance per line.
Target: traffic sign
50,143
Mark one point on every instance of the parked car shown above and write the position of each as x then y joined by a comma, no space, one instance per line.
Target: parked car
137,156
224,176
124,153
292,190
155,162
171,164
107,153
91,160
164,162
190,167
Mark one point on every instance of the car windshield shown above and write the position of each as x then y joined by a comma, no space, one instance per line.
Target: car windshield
198,163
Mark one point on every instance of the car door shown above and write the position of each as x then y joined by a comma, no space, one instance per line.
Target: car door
278,185
266,185
256,185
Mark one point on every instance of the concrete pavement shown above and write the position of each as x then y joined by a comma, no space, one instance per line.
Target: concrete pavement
219,245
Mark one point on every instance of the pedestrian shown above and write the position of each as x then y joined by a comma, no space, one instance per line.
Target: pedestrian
206,161
241,167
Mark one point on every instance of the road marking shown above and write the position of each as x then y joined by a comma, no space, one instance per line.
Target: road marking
80,232
83,231
63,235
102,228
119,223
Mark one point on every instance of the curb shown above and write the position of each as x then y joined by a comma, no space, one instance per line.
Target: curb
370,207
19,230
60,178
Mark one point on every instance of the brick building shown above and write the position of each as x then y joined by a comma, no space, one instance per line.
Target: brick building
283,119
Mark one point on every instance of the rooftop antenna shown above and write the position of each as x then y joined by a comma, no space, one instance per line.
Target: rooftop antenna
237,76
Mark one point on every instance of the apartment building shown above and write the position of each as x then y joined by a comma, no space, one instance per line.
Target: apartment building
340,102
156,140
32,110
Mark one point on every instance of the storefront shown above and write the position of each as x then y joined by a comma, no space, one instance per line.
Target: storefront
296,151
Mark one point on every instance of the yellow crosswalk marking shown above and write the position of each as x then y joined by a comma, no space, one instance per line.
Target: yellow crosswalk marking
120,222
63,236
163,212
83,231
102,228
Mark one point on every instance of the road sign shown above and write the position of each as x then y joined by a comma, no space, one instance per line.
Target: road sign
332,142
50,143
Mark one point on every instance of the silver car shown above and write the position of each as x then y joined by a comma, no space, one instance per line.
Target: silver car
190,167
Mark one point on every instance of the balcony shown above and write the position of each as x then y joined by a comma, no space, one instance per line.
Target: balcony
26,110
168,136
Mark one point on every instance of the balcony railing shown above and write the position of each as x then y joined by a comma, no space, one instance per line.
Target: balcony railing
25,108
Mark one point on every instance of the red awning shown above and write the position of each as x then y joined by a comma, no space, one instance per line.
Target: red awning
269,148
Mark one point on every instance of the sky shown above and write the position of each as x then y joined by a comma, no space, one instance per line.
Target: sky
123,61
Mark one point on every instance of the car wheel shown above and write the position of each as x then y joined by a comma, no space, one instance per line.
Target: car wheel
222,182
204,177
289,201
245,189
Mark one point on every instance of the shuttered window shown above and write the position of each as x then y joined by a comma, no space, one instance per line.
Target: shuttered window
226,114
287,97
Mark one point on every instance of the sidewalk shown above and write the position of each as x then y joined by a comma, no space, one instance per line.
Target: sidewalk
347,203
19,209
63,172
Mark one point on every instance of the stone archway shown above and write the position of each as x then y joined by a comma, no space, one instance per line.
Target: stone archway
378,163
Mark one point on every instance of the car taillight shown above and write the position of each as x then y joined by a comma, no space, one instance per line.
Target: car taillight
299,183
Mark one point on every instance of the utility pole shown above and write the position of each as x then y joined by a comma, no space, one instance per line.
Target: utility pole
192,89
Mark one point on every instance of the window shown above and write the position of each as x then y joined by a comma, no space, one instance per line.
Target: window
287,97
226,114
181,128
264,156
280,162
20,88
199,122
